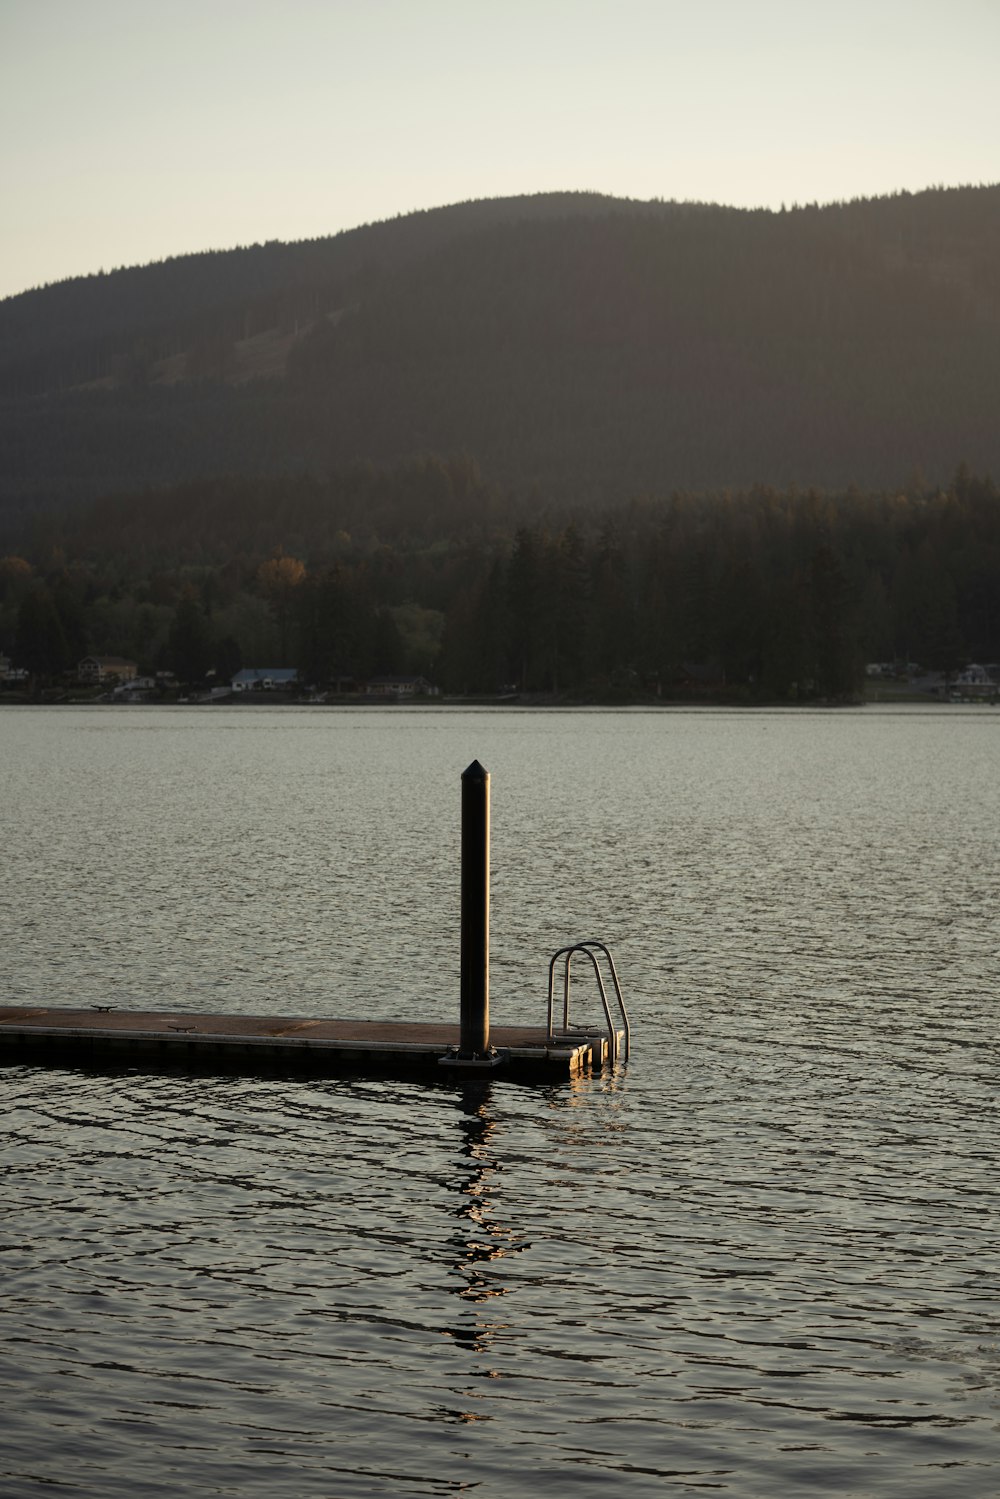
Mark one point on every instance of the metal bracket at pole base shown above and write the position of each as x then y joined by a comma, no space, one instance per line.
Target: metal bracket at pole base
490,1061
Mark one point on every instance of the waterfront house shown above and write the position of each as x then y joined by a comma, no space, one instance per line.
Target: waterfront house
98,669
136,687
399,686
973,675
264,679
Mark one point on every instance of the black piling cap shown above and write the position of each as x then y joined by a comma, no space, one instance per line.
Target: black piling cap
475,772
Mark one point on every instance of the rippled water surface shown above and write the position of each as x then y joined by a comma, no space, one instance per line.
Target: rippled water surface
763,1261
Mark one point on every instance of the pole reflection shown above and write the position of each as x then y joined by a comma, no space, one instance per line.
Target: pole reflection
480,1237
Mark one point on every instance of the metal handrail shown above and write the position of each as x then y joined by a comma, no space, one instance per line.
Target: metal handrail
588,947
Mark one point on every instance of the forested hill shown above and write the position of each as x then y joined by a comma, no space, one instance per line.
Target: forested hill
79,331
592,348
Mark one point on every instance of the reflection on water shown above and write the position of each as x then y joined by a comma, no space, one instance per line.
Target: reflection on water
480,1237
761,1261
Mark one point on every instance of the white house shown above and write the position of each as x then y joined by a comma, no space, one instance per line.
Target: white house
973,676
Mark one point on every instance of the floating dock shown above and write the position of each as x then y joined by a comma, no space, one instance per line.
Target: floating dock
157,1040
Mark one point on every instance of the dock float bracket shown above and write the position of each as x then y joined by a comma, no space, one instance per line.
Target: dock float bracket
492,1061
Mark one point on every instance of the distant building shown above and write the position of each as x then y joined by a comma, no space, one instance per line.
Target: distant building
264,679
398,686
9,673
973,676
135,686
97,669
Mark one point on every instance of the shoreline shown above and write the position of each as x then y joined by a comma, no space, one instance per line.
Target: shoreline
60,698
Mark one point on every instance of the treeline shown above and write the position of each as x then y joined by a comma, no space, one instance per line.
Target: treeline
766,594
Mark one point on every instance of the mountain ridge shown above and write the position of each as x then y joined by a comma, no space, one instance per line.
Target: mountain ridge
585,345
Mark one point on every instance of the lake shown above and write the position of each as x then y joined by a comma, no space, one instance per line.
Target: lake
761,1260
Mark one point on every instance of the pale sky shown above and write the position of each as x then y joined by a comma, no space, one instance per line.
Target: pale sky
131,130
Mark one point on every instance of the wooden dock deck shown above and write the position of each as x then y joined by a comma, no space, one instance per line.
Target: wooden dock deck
154,1040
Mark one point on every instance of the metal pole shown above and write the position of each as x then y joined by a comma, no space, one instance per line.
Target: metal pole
474,1038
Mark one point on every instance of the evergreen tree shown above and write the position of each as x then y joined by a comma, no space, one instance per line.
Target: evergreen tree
189,650
40,642
836,661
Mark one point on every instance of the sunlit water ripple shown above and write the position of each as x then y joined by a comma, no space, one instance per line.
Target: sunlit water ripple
762,1261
